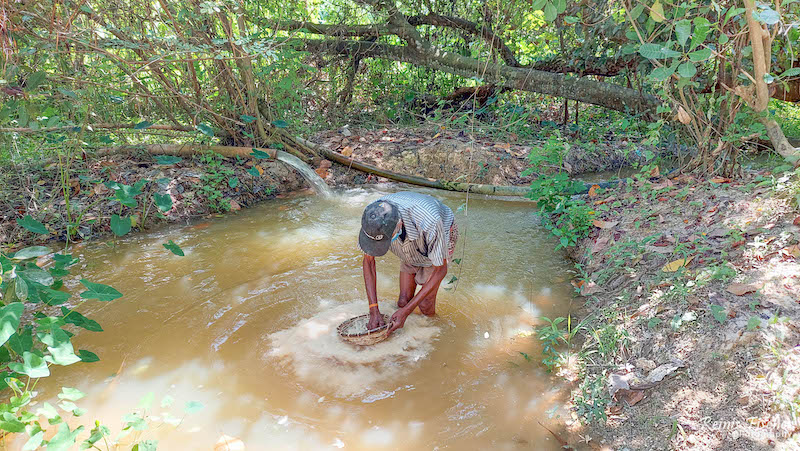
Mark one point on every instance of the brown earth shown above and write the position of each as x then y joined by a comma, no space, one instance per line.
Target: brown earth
699,282
38,191
465,157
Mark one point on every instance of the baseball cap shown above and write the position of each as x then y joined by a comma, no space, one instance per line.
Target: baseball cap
377,225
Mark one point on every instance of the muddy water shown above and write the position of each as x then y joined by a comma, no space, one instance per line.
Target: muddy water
243,322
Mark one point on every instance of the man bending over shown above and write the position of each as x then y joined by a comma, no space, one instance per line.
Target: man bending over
421,231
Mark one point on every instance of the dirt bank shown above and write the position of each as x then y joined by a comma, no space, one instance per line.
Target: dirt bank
459,156
95,189
692,291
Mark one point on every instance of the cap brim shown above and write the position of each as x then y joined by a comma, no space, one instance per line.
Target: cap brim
375,248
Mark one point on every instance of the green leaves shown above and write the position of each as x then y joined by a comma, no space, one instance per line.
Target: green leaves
259,155
120,225
768,16
10,423
142,125
167,159
791,72
31,252
33,365
699,56
687,70
174,248
233,182
9,320
657,12
657,51
550,12
30,224
71,394
73,317
247,119
34,80
719,313
126,194
88,356
163,201
683,30
205,129
145,445
662,73
280,123
701,28
64,439
99,291
254,172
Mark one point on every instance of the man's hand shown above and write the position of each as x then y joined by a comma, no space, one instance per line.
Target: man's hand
397,320
375,319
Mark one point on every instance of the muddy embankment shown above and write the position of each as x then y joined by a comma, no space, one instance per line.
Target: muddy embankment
95,189
199,187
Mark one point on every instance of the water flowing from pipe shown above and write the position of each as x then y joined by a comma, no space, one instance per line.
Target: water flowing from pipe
305,170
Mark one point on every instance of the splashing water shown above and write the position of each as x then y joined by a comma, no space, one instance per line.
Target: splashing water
305,170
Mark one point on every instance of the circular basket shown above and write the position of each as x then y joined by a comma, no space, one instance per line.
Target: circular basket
366,338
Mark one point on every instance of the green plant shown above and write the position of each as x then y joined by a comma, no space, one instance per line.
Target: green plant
592,399
553,337
216,177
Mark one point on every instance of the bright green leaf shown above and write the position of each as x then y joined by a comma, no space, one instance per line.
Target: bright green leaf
233,182
701,28
99,291
31,252
174,248
769,16
34,442
120,225
163,201
701,55
687,70
9,320
32,365
683,30
167,159
205,129
64,439
32,225
88,356
71,394
791,72
657,12
73,317
550,12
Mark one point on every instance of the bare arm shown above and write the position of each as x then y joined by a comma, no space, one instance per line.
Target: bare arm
399,317
370,277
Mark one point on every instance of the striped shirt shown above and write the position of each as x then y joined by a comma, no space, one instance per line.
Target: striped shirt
427,222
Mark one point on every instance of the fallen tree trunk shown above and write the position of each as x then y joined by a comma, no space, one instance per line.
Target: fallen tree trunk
233,151
477,188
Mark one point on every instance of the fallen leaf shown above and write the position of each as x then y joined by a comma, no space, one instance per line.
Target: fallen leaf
505,146
630,397
793,250
677,264
322,172
599,245
593,190
589,288
228,443
658,374
347,151
741,289
260,170
655,172
796,221
720,180
604,224
235,205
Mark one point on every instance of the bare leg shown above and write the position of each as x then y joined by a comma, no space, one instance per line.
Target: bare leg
408,287
428,305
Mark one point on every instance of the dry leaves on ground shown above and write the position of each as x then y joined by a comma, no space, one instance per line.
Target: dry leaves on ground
604,224
677,264
741,289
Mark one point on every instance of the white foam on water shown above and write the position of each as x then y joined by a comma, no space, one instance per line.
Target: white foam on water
313,350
